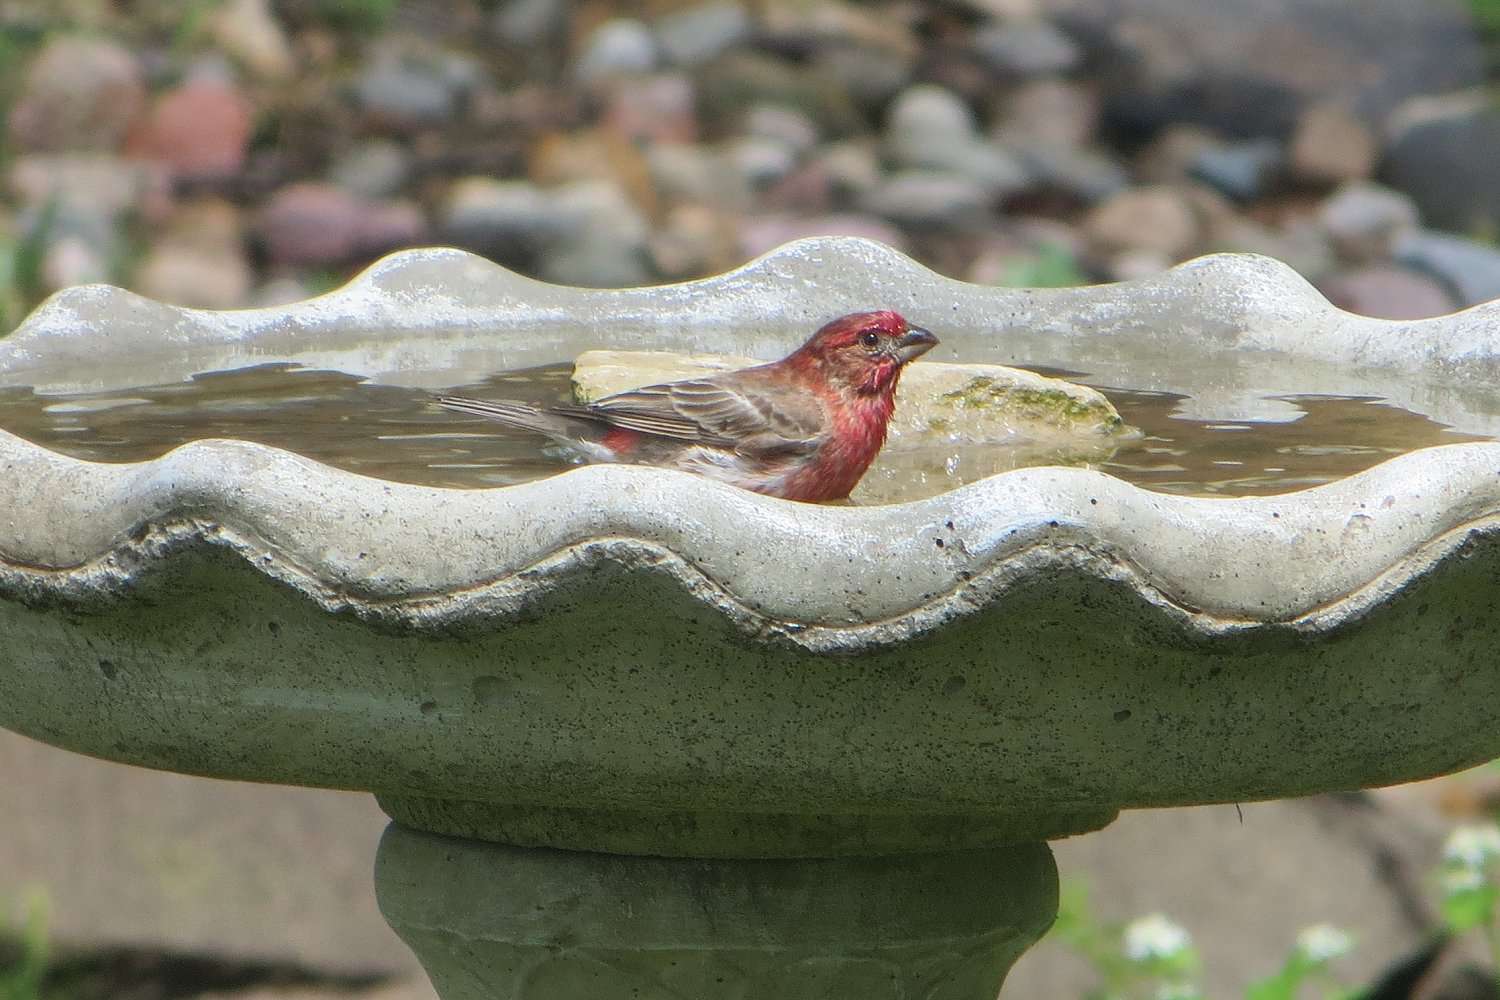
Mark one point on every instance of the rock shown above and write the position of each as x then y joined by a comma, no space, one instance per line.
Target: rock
953,422
311,223
404,95
870,76
1299,243
1058,114
88,184
617,47
390,225
72,260
786,126
1026,48
199,130
758,163
693,241
694,173
602,238
1250,67
1364,220
1441,152
660,108
1332,145
200,260
1088,175
375,168
1470,270
764,233
1157,220
697,34
1242,170
929,199
530,23
935,402
1169,157
248,31
932,128
741,79
79,94
1387,292
852,169
508,220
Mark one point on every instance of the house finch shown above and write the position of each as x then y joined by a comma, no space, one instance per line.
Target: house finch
803,428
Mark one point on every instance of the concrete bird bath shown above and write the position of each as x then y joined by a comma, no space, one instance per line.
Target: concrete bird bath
643,735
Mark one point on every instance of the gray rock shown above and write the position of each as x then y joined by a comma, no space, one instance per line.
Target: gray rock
695,35
404,94
870,75
1387,292
602,240
1089,175
199,260
852,168
617,47
929,198
507,220
1442,153
1249,67
376,168
657,108
1332,145
530,22
1243,170
1026,48
764,233
1169,157
1471,270
1363,220
758,162
79,94
930,127
86,184
787,126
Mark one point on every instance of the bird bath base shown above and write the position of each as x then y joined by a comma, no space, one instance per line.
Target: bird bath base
732,835
495,922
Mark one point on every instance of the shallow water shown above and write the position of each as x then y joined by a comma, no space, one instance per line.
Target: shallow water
396,433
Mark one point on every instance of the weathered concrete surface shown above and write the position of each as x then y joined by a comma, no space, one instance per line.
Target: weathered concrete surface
1031,652
492,921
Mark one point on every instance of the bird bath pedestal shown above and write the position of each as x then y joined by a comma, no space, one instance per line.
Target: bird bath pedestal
643,735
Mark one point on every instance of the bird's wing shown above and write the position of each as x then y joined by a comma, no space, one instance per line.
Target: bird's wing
731,411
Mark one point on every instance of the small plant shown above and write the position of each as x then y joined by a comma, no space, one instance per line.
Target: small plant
1051,267
1153,958
1471,862
24,948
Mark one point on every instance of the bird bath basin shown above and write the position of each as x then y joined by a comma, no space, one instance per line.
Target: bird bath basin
646,735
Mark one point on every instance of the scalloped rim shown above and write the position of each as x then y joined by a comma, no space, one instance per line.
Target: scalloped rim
421,557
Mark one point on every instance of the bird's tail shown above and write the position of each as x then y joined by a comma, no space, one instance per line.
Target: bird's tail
522,415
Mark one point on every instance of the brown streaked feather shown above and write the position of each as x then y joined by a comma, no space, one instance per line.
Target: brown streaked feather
731,411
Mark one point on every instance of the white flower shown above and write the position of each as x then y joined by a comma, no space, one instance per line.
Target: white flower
1459,880
1154,937
1324,943
1177,991
1473,846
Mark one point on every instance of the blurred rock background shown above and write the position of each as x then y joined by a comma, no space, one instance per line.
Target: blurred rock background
236,153
231,153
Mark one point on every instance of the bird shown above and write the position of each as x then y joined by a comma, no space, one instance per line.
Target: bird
803,428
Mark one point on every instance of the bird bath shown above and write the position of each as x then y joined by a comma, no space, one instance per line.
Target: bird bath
644,735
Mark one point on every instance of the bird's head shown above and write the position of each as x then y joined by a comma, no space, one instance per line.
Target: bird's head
864,352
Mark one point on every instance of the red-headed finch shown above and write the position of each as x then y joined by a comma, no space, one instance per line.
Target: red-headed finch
803,428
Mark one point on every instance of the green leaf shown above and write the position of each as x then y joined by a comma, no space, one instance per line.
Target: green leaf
1470,908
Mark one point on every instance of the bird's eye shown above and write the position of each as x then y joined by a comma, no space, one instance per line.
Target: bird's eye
869,339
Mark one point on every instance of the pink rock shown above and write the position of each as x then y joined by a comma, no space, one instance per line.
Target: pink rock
313,223
656,108
1388,292
390,225
200,131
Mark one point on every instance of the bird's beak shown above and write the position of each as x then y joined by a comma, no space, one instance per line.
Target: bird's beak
914,344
